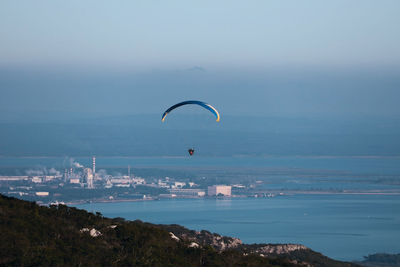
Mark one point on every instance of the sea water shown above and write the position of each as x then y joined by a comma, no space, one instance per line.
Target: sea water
344,227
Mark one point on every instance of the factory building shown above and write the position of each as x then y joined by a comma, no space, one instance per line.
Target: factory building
36,179
42,194
89,178
216,190
14,178
188,192
74,181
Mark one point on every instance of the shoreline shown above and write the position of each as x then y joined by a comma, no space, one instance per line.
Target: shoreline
287,193
80,202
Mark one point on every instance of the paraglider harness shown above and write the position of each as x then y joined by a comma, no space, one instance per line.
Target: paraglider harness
191,151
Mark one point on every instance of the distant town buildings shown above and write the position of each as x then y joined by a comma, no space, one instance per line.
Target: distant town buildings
216,190
178,185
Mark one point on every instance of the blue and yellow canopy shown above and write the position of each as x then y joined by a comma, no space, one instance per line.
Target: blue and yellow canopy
195,102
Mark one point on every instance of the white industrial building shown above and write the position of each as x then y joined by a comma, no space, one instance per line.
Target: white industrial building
188,192
14,178
74,181
216,190
42,194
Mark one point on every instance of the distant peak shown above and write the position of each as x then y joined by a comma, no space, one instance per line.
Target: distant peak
197,69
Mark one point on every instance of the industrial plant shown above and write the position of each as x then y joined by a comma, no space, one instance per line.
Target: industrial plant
85,183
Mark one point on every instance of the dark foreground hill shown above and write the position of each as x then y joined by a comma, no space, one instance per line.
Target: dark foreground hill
32,235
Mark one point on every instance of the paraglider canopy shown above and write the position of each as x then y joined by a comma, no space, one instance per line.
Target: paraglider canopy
191,151
195,102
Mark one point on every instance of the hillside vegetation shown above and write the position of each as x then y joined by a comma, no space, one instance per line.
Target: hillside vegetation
33,235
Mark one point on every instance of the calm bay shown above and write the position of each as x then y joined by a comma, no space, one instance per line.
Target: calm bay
344,227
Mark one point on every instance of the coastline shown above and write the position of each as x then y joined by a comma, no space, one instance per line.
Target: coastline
277,194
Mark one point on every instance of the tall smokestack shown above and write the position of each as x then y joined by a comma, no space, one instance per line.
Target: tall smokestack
129,171
94,166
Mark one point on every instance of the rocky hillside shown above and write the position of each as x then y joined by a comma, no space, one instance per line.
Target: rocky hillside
295,253
33,235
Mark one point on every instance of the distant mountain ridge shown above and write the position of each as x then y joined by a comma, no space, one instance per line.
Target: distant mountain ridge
33,235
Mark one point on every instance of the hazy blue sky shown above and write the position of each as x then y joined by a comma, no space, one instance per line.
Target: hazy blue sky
222,33
270,58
